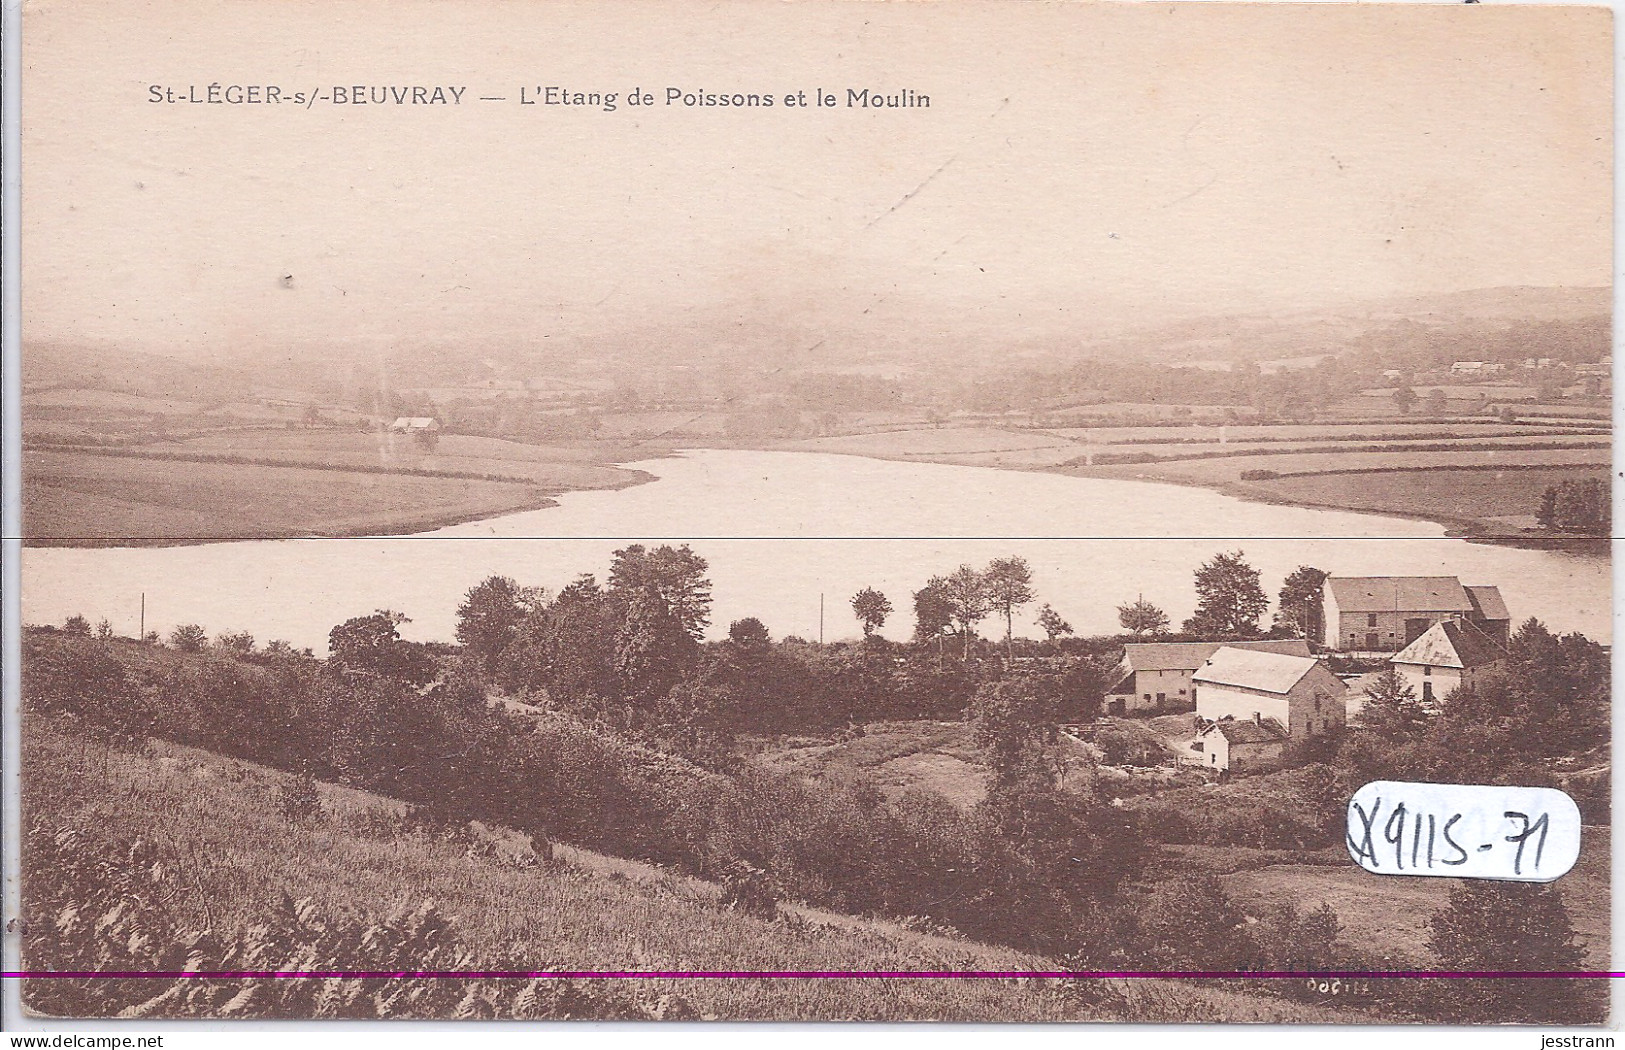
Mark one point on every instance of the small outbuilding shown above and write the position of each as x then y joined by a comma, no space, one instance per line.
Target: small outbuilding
1242,745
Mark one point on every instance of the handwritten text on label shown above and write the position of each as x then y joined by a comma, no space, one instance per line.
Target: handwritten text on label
1463,831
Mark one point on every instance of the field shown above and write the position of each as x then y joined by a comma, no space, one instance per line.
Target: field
217,824
1508,497
87,499
234,485
1482,479
1375,910
1387,914
895,756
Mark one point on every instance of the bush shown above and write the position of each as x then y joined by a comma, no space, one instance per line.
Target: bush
102,906
299,800
1124,747
748,889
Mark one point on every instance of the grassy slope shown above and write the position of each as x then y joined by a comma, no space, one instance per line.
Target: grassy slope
1438,495
218,820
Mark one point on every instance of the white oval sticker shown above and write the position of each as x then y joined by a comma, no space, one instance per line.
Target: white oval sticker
1463,831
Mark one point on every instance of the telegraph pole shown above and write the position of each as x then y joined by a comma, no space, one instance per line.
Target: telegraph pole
820,617
143,635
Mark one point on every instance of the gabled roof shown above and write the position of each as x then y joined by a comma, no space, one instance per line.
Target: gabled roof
1487,603
1188,656
413,423
1451,644
1268,672
1399,594
1246,731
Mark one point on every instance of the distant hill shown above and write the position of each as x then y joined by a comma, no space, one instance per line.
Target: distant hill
698,348
1413,333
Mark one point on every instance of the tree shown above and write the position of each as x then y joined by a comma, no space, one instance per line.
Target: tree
965,590
1052,624
1229,599
1014,721
1582,506
239,643
1008,584
1514,927
1404,398
1298,610
89,689
567,648
1141,617
1045,863
188,638
1552,697
674,575
372,645
749,632
871,608
1435,402
1188,923
490,614
933,613
76,625
653,649
1391,710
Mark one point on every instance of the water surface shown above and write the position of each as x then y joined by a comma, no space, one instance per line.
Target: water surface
824,525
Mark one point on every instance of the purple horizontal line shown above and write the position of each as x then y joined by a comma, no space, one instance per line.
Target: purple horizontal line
811,974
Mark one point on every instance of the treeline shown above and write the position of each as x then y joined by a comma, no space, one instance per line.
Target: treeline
597,716
1032,866
1584,506
362,718
1550,701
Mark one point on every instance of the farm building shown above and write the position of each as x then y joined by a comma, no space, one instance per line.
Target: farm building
1387,613
1285,698
1448,654
1156,676
415,425
1239,745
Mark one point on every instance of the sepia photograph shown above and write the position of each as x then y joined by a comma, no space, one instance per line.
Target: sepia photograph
822,511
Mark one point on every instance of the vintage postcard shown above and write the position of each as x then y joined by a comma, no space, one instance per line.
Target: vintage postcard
810,511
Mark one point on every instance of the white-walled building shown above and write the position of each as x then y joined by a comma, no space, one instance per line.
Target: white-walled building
1446,656
1285,698
1156,676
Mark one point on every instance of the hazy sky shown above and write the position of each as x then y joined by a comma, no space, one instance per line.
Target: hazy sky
1078,166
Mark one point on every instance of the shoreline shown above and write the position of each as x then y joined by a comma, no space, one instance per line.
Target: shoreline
1467,529
393,527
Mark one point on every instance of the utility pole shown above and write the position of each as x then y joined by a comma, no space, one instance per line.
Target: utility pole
820,617
143,635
